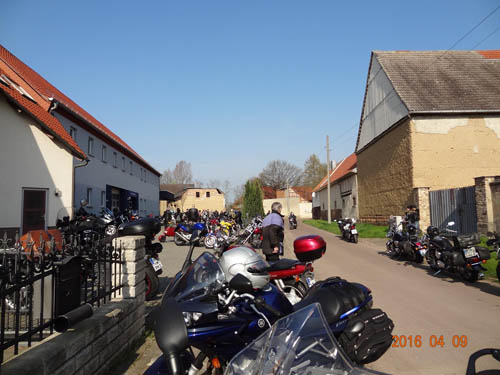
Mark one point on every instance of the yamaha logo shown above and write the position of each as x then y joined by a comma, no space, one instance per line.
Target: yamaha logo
261,323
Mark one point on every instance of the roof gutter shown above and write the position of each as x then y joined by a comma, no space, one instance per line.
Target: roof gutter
456,112
85,162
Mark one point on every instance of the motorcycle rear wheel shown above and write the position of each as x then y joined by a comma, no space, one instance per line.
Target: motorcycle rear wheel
178,241
417,257
498,271
355,238
152,283
294,291
469,275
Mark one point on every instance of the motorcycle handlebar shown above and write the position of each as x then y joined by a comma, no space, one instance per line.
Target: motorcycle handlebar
261,303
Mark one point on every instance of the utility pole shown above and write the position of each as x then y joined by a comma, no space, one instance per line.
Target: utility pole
328,178
288,198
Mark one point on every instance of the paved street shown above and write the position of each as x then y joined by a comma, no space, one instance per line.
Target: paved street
418,303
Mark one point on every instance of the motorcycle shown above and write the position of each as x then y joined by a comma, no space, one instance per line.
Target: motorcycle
460,255
201,309
349,231
292,221
406,244
495,242
183,232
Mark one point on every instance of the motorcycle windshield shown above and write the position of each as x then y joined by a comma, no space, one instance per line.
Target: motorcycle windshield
203,278
300,343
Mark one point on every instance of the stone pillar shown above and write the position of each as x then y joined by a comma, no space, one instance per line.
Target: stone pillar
421,198
484,204
133,270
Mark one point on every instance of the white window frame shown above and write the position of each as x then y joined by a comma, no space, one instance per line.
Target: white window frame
123,163
104,154
90,146
89,197
131,167
115,157
72,132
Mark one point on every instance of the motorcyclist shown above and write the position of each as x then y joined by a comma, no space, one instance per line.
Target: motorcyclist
273,233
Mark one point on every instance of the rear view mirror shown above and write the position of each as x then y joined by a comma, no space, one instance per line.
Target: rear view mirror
241,284
195,237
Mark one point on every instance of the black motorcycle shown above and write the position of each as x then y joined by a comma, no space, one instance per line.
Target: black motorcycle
495,242
456,255
292,221
405,243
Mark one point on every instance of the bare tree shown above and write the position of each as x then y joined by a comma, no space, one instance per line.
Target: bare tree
182,173
199,184
167,177
279,173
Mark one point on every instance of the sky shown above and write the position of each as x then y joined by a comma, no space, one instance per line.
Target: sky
230,85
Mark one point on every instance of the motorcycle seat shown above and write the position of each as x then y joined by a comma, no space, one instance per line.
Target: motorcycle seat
282,264
336,297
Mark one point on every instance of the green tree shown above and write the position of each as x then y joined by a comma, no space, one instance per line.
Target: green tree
314,171
252,199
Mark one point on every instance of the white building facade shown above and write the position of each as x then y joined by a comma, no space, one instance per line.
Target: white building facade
113,177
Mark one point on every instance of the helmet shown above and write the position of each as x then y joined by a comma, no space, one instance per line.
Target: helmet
432,231
193,214
247,262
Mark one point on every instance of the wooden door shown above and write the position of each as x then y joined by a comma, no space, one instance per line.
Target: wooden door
34,204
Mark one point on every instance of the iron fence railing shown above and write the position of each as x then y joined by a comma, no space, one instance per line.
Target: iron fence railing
42,278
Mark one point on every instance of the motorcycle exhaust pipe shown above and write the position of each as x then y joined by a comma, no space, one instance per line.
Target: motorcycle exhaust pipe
63,322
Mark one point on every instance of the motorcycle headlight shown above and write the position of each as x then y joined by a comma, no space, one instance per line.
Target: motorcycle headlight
191,317
111,230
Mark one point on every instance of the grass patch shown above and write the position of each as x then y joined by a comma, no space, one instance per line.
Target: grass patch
365,230
491,264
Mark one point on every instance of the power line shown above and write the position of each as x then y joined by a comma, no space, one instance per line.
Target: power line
487,37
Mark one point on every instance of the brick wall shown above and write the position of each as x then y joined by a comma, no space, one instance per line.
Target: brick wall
91,345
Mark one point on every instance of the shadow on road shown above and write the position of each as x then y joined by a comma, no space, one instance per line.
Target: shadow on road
483,285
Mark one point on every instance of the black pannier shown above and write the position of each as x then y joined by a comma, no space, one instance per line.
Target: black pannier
367,336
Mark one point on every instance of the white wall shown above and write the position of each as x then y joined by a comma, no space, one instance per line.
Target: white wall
97,174
337,201
30,159
383,107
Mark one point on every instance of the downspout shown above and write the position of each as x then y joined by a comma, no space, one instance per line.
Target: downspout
85,162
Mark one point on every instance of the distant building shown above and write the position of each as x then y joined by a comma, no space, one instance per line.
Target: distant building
343,191
212,199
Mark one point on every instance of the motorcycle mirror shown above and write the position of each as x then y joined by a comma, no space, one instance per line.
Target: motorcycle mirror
451,223
195,237
241,284
83,203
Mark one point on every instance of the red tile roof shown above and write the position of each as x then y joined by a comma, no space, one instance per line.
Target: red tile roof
305,192
47,90
45,119
341,170
268,192
490,54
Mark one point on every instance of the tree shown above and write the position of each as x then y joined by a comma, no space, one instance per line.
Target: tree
182,173
252,199
314,171
279,173
167,177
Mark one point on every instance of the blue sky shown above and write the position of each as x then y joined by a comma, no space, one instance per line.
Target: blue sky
229,85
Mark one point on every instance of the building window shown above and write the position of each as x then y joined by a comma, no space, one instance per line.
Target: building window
89,197
91,146
343,203
131,167
335,204
354,201
197,194
115,160
208,194
72,133
103,198
115,200
104,154
141,174
123,163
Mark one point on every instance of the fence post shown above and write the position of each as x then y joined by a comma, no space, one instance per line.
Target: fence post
421,198
484,204
134,265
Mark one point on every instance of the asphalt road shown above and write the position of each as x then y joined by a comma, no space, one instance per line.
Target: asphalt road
418,303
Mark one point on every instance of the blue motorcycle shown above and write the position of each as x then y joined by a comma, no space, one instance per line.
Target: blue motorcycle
201,310
184,231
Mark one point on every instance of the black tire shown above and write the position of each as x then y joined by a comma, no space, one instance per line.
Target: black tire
178,241
355,238
418,258
152,283
470,275
299,288
498,270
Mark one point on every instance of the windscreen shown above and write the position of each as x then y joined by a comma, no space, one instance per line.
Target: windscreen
203,277
300,343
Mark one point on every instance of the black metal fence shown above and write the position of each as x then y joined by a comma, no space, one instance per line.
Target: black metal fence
42,278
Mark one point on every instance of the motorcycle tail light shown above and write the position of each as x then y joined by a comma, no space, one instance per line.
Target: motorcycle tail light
418,244
297,279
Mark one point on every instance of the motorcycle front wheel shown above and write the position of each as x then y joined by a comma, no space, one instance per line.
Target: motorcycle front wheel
178,241
152,283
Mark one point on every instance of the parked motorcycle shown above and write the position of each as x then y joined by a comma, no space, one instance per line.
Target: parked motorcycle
220,306
495,242
405,243
183,232
348,230
292,221
460,255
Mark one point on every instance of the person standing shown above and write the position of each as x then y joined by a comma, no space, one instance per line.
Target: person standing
273,233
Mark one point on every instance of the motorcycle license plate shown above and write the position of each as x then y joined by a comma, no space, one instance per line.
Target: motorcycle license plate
422,252
354,231
310,281
156,264
470,252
